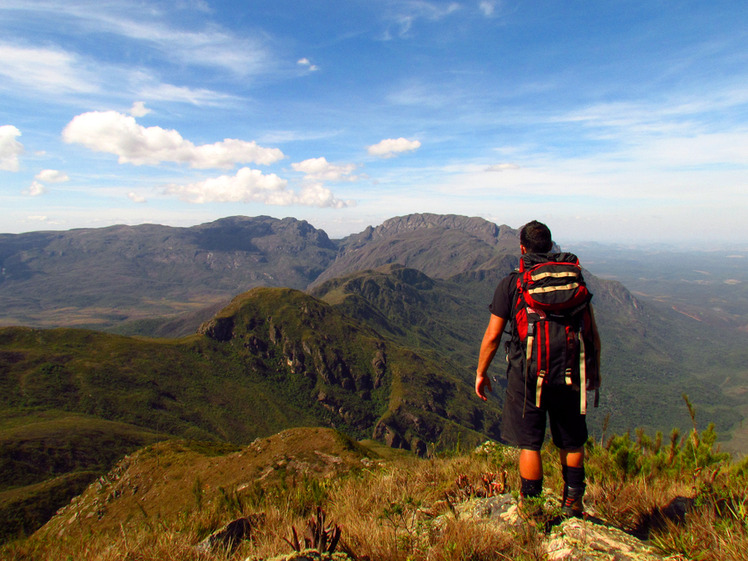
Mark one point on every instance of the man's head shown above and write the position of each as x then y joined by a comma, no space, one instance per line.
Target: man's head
535,237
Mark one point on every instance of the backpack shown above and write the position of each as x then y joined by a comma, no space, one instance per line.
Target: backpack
553,334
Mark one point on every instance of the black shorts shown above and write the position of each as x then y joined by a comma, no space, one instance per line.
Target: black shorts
523,424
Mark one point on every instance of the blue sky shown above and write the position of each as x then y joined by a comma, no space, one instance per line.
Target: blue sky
616,121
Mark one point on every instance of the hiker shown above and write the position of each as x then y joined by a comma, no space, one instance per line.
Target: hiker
537,389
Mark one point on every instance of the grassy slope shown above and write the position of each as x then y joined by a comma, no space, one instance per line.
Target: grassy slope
165,480
47,457
161,501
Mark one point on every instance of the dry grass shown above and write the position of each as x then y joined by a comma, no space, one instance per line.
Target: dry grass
399,511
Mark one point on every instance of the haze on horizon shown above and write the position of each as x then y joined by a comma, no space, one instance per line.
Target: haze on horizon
622,121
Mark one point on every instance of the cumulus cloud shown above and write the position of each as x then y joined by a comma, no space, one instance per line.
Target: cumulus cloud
308,64
52,176
38,186
391,146
115,133
10,148
35,189
139,109
252,186
134,197
319,169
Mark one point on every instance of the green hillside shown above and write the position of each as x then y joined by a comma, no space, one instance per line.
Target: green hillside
650,357
273,359
48,456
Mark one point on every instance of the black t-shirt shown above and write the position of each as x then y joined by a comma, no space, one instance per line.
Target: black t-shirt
503,297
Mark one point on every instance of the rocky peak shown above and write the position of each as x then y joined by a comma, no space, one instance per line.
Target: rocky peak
482,229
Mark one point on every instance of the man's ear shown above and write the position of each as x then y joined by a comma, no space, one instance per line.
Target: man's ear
522,249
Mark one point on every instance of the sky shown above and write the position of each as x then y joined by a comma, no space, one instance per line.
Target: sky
612,121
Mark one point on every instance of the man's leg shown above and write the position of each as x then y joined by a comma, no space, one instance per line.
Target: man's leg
569,430
530,464
530,473
572,458
572,470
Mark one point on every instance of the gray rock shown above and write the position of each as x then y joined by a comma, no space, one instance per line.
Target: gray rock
572,539
229,537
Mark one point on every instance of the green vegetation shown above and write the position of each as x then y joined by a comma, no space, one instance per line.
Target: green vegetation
48,457
650,357
76,401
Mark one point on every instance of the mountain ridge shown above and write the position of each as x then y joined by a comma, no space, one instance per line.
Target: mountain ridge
383,350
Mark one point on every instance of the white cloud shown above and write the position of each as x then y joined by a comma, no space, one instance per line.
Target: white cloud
693,150
307,63
209,46
115,133
38,188
139,109
502,167
407,13
35,189
487,7
316,194
134,197
389,147
182,94
47,70
319,169
10,148
212,47
52,176
252,186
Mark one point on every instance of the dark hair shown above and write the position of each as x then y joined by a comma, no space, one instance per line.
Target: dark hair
536,237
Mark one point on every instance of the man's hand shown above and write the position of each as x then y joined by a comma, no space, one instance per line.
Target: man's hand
488,348
482,385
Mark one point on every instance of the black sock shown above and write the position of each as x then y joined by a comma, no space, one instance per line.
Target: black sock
573,476
531,487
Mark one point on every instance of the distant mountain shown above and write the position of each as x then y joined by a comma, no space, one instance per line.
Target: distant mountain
440,246
106,277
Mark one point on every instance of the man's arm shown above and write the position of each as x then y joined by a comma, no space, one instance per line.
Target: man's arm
488,348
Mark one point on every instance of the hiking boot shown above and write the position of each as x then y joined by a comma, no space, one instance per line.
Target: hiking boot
572,505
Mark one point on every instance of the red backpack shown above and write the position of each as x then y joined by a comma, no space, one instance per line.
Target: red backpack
553,324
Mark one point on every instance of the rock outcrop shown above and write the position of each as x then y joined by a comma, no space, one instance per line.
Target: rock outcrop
573,539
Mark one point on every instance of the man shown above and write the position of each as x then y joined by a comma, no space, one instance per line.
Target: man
525,410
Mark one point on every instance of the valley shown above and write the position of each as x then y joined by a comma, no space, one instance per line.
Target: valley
238,329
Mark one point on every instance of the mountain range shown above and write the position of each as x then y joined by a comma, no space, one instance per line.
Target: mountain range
243,327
